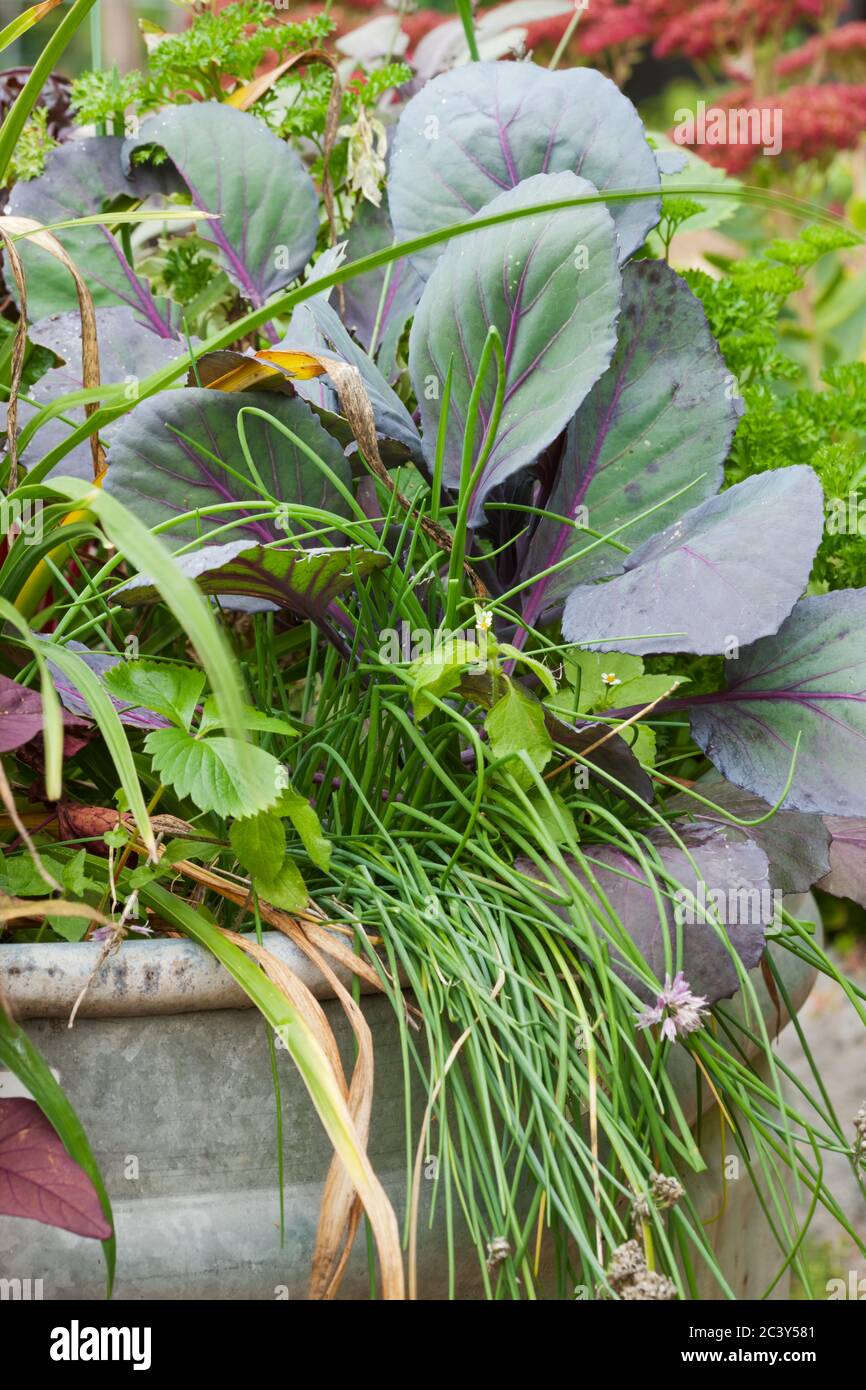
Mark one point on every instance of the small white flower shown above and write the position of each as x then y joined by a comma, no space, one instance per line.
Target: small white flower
610,678
483,619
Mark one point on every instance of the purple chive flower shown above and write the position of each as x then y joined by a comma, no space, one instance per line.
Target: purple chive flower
677,1010
104,933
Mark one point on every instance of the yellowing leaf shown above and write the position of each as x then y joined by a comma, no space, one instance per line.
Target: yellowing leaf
301,365
247,94
236,371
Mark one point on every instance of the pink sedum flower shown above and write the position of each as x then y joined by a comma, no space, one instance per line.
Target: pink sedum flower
677,1010
815,122
710,28
837,51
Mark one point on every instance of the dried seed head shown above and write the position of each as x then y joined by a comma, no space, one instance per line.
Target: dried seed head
640,1208
649,1287
630,1279
666,1191
626,1263
663,1192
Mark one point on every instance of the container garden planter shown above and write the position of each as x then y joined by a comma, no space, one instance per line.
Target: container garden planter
185,1132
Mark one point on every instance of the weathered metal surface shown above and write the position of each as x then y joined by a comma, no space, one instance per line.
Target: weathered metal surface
170,1073
141,978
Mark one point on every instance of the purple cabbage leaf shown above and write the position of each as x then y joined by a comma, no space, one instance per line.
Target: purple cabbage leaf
127,352
100,663
180,451
846,877
479,131
732,881
316,328
807,679
231,164
382,301
81,178
555,311
797,845
693,588
303,582
648,444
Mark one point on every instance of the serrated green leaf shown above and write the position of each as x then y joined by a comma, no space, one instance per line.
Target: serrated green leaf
643,690
515,724
253,720
287,890
217,774
541,671
643,743
260,844
305,820
147,873
584,671
20,878
439,672
74,877
147,553
166,688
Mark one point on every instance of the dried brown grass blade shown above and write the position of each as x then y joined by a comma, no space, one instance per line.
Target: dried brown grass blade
243,97
298,995
239,894
341,1205
237,371
338,1215
13,908
19,350
339,1219
340,952
17,226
